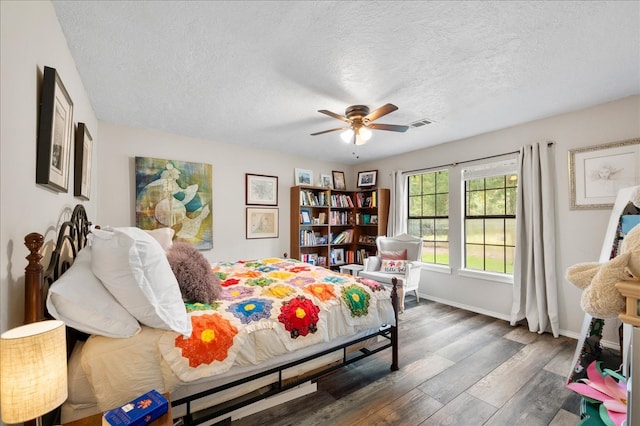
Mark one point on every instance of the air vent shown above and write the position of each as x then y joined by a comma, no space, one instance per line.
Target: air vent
420,123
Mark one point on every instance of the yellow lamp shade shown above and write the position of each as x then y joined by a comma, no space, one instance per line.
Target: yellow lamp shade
33,370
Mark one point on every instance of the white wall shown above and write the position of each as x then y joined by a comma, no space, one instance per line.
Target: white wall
580,233
30,39
120,145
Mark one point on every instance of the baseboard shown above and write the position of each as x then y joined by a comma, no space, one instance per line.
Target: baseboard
567,333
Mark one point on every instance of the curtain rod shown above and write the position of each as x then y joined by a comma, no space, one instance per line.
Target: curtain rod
466,161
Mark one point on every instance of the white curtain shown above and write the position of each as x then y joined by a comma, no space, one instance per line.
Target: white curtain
535,289
397,223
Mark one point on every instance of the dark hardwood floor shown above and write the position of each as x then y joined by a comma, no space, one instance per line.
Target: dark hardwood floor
456,368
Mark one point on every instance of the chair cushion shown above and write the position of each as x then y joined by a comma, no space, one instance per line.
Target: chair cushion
394,255
391,266
382,277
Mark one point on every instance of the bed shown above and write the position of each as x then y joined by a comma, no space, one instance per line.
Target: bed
278,325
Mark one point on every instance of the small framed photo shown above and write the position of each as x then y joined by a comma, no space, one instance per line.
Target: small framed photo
55,132
305,217
337,256
261,190
339,182
303,177
597,173
326,181
82,162
367,179
262,222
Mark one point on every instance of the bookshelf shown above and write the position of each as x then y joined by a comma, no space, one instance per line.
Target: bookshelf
332,228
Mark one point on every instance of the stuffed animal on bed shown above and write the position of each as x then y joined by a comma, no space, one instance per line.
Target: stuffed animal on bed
600,298
197,281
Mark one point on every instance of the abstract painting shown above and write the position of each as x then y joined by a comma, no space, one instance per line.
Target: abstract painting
175,194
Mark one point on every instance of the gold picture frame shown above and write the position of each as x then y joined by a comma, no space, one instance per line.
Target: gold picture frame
597,173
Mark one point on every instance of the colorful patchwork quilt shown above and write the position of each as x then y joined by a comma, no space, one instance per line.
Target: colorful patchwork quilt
269,307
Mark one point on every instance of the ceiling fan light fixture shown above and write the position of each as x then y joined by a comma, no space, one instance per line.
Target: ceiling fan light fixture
360,123
347,136
365,133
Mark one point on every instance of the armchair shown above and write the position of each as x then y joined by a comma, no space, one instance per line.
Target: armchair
382,267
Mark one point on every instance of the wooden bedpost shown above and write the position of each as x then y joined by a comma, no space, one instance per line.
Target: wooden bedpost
33,279
394,329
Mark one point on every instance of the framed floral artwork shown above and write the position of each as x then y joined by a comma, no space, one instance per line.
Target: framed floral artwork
597,173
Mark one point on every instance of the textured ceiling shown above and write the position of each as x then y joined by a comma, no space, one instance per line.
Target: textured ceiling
256,72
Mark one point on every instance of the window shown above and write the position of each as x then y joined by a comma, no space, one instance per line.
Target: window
428,214
490,216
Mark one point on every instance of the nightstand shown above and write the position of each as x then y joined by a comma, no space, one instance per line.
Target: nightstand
96,420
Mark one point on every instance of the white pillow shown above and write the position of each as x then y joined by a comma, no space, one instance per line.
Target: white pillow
393,266
163,235
80,300
134,268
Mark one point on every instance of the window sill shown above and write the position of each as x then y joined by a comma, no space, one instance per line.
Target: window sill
443,269
489,276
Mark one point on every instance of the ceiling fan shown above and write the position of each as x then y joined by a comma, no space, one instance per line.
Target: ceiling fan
360,122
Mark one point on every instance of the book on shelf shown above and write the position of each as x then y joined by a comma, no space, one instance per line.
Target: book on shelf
311,258
343,237
138,412
341,218
311,198
367,239
308,238
341,200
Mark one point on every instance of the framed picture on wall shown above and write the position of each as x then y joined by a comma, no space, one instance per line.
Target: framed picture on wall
338,181
261,190
597,173
55,132
303,177
262,222
367,179
326,181
82,162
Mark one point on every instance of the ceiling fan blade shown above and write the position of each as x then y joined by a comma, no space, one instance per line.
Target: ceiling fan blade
334,115
392,127
383,110
327,131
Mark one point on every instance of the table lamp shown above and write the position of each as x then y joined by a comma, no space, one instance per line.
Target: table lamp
33,371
